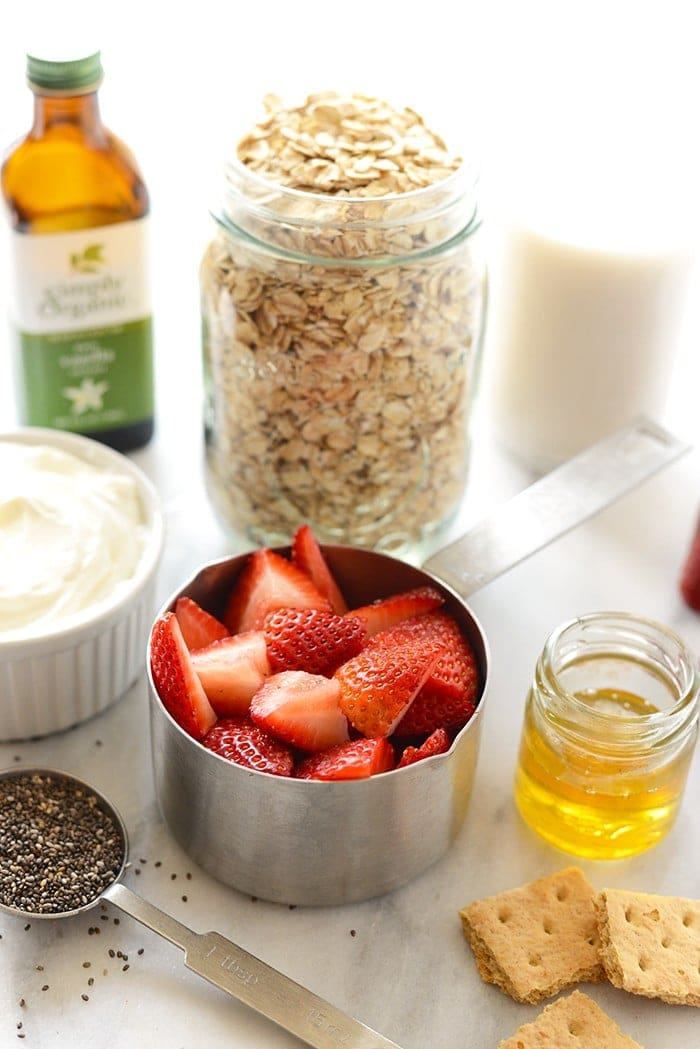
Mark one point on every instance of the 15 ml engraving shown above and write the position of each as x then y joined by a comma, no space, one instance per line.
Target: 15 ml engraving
318,1019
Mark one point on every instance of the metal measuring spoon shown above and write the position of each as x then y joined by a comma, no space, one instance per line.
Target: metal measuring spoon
212,956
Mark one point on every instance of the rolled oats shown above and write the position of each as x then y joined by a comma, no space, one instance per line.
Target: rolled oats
342,316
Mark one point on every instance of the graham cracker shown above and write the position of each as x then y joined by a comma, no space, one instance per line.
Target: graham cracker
575,1022
538,939
650,945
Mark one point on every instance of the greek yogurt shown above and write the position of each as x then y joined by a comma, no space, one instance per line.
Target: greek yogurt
70,534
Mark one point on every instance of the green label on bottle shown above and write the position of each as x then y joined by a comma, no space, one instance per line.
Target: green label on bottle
82,311
98,379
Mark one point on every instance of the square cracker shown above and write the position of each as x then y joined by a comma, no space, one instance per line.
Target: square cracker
536,940
575,1022
650,945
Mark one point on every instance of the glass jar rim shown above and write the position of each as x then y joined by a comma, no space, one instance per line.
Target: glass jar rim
306,226
348,262
465,175
688,697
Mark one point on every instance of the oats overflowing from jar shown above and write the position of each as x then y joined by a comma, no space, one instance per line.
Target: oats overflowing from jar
342,303
352,145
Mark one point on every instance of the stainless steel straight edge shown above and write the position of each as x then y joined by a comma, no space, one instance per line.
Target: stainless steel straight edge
570,494
253,982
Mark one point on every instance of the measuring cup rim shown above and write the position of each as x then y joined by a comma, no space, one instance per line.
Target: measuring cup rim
358,785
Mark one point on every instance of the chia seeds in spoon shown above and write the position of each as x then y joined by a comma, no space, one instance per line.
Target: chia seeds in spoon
59,848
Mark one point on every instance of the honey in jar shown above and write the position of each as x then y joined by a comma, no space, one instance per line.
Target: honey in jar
610,725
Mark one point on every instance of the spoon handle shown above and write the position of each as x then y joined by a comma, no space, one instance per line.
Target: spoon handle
253,982
559,501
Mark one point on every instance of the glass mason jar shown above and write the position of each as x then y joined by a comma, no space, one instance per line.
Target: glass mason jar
610,727
341,340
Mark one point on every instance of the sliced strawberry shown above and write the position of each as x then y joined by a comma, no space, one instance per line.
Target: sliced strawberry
300,709
308,556
269,582
311,640
437,743
392,610
176,682
232,670
690,576
240,741
198,627
378,686
449,696
358,759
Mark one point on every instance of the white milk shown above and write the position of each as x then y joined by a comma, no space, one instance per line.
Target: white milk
585,330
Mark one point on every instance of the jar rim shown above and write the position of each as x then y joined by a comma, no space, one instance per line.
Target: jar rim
687,697
349,262
302,225
466,175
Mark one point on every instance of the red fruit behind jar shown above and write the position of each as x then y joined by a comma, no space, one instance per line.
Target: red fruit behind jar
690,576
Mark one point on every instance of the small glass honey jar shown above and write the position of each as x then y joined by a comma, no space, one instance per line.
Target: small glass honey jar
611,721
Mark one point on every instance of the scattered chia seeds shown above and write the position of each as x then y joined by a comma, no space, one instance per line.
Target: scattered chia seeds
85,997
140,950
58,848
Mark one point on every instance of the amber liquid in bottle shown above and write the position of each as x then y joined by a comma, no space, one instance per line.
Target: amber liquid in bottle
71,174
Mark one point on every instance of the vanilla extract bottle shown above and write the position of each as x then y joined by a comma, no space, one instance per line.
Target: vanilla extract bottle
81,309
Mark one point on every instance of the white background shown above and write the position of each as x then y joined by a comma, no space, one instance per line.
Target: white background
588,101
608,93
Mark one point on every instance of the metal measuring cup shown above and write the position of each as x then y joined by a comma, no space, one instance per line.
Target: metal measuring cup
315,843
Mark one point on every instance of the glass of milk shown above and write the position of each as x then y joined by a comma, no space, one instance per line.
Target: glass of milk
588,301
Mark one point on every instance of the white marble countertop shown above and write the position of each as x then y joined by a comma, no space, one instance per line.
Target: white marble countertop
398,963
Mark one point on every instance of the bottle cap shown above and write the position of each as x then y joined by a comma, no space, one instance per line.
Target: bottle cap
77,76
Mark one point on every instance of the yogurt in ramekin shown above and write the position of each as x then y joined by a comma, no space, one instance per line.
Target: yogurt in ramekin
71,534
81,536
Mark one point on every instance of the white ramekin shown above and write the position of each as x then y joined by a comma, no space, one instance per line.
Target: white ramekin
75,669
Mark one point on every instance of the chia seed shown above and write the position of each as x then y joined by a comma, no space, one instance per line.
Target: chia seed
59,849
